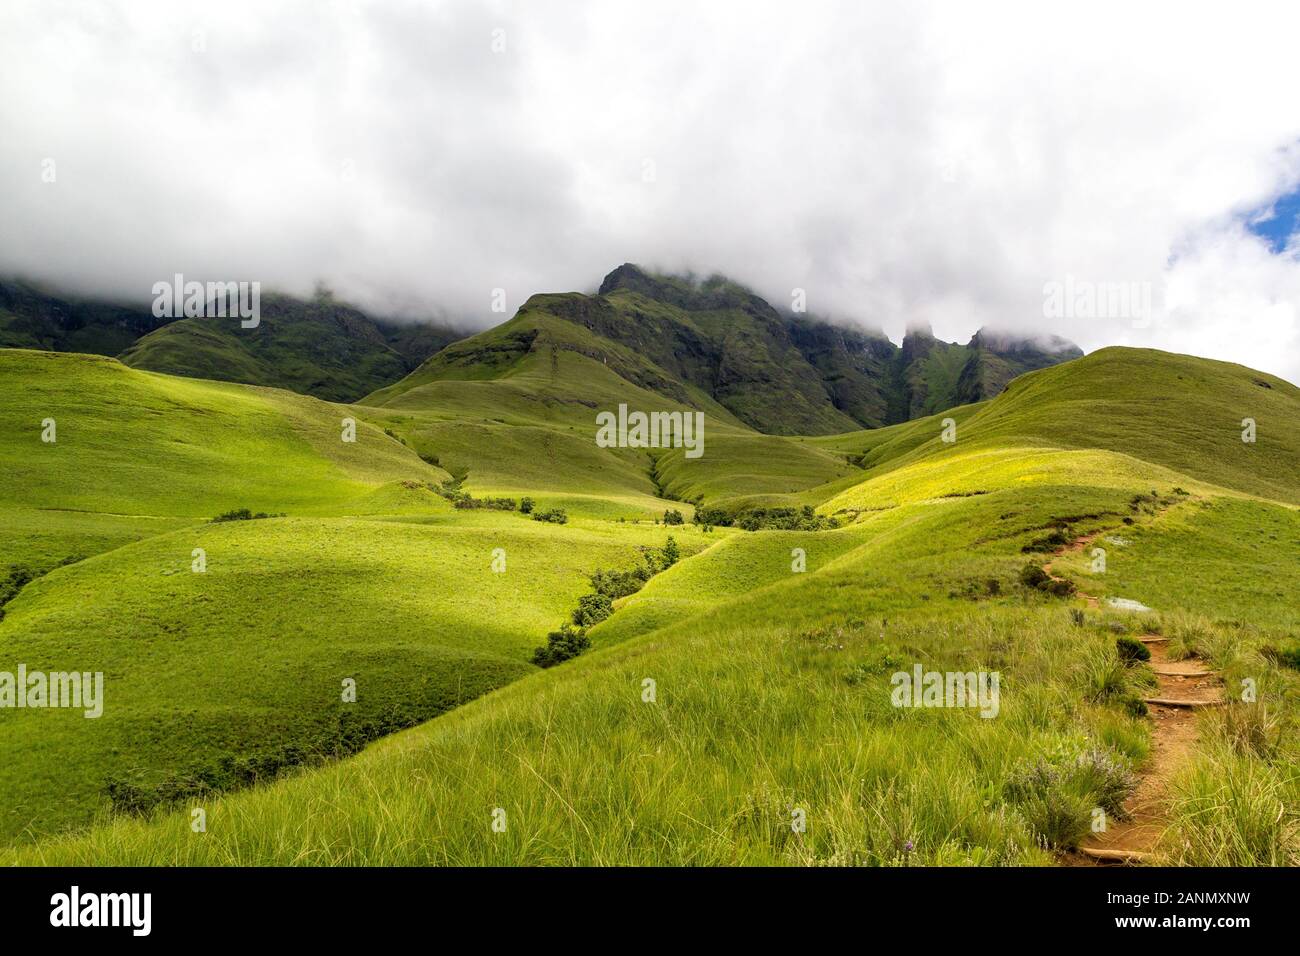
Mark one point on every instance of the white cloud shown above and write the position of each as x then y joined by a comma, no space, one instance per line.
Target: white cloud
904,162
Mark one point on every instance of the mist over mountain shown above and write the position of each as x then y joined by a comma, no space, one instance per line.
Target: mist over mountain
776,371
712,339
315,346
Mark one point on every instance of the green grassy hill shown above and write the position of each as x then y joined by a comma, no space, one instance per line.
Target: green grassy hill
717,346
768,699
319,347
748,684
514,408
1176,411
248,655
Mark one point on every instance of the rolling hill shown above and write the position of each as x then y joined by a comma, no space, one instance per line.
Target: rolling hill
768,654
716,345
363,571
317,347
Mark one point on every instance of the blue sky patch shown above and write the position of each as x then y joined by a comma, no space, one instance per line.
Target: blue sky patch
1281,225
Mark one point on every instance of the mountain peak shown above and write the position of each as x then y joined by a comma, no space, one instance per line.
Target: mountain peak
1004,342
627,276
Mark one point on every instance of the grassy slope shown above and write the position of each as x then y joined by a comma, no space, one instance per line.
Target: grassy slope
132,442
772,687
248,655
526,419
773,700
1181,412
319,348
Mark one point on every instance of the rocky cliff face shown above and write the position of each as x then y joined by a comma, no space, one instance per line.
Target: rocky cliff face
793,374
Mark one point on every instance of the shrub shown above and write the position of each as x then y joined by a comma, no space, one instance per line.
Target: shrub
1190,635
1056,794
1106,776
1058,538
1060,587
562,645
1104,677
1032,576
1131,650
526,506
1058,817
1135,706
592,609
19,576
673,516
767,519
243,514
617,584
554,516
462,500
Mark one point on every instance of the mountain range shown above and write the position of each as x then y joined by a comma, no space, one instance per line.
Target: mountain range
507,594
315,346
779,373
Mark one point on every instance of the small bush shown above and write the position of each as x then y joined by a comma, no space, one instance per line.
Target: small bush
1190,635
592,609
562,645
526,506
243,514
467,501
1058,538
1032,576
19,577
767,519
1060,587
673,516
553,516
1105,678
1056,794
1135,706
1131,650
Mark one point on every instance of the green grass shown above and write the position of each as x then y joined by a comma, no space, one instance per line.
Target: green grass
771,686
1177,411
249,656
767,700
131,442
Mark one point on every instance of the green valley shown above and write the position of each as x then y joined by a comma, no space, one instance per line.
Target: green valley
714,697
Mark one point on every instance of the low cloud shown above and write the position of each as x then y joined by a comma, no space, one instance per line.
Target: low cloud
906,162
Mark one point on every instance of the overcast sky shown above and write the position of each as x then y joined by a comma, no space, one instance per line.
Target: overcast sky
900,162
